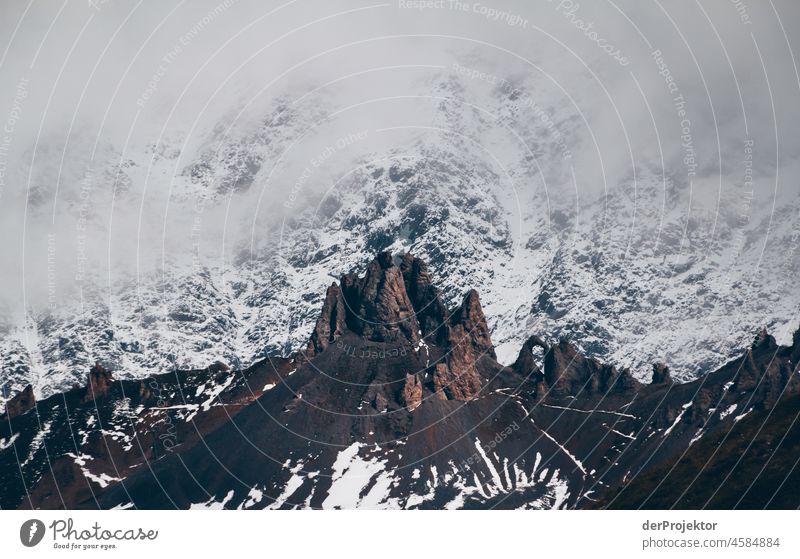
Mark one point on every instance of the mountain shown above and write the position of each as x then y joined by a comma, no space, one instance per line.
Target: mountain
397,400
641,263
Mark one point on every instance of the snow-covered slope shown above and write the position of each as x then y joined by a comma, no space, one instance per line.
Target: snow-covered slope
635,274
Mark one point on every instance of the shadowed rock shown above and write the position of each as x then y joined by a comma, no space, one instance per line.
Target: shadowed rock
378,307
568,373
330,324
21,402
661,374
100,380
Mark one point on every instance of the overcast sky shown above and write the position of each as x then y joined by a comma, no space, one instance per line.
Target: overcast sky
89,77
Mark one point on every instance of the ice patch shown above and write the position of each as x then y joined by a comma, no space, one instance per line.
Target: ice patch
212,504
725,413
102,480
4,444
352,474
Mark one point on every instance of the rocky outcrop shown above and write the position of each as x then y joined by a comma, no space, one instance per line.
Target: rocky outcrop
468,325
21,402
412,392
568,373
99,382
218,367
764,340
330,324
396,302
432,314
525,364
751,373
531,376
779,378
456,384
661,374
468,341
378,307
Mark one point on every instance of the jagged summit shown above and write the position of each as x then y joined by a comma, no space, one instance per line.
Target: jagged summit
395,302
378,306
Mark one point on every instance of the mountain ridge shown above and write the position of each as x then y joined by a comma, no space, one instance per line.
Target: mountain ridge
389,405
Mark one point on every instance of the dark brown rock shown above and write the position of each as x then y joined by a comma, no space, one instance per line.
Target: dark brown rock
459,384
764,339
525,364
471,321
661,374
468,340
330,324
431,312
21,402
412,392
378,307
100,380
568,373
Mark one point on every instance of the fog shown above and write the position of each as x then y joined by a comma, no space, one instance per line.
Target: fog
90,86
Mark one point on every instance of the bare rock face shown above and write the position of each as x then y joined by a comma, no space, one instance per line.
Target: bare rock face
441,380
468,324
525,364
532,377
661,374
380,403
100,380
218,367
459,384
330,324
751,375
412,392
378,307
21,402
764,339
396,302
468,340
778,379
568,373
431,312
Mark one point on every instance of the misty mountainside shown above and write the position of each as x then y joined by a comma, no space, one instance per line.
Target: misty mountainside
397,400
637,265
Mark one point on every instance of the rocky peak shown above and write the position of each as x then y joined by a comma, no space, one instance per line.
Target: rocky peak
395,301
526,366
100,380
525,363
768,369
468,342
21,402
470,317
568,373
377,304
764,339
425,297
661,374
